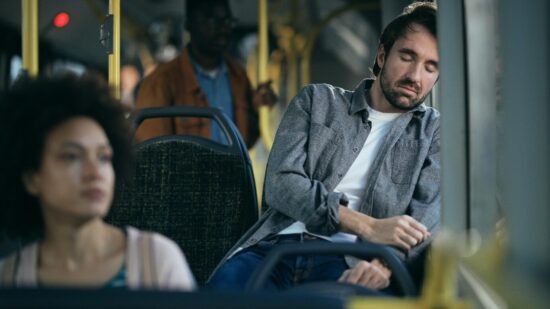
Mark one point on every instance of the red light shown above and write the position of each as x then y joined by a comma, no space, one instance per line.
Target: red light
61,20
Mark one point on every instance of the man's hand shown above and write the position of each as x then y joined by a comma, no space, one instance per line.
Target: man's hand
264,95
402,231
372,275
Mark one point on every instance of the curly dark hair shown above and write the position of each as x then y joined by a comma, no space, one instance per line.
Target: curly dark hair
417,13
31,109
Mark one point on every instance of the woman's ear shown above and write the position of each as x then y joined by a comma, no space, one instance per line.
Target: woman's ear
30,181
380,56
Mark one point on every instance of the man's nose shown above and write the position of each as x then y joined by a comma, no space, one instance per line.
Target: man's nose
414,73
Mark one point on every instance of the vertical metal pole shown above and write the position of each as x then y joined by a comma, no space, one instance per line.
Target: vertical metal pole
263,54
292,55
114,58
29,32
482,112
453,102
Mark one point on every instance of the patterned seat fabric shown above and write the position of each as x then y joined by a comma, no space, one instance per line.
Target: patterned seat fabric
192,190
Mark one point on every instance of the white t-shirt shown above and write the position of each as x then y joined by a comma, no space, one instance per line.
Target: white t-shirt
355,181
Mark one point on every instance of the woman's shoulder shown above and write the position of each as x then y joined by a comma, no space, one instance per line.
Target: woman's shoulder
163,245
19,267
169,261
158,241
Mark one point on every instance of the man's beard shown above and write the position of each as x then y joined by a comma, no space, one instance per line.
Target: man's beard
392,96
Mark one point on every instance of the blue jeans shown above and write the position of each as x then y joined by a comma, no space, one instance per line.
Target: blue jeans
291,271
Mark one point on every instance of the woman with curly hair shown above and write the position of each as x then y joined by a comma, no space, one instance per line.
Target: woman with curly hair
63,141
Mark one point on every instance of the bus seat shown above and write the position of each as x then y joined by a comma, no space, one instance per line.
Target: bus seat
198,192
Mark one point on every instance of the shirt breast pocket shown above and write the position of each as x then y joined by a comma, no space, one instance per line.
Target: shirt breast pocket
404,160
323,137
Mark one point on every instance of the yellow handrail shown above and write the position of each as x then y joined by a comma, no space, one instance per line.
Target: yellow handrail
263,55
29,32
114,58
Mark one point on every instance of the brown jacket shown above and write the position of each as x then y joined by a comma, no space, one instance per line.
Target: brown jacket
174,83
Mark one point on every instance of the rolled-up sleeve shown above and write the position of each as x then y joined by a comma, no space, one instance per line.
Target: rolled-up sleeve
288,188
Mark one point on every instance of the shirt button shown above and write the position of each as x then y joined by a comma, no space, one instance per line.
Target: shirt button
354,149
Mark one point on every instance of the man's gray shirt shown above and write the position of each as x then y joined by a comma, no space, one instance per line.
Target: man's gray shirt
320,135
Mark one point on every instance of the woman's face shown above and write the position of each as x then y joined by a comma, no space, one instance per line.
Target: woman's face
76,179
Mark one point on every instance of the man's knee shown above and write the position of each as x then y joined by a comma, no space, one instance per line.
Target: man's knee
236,271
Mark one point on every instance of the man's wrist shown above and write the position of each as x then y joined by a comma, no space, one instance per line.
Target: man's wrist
355,222
367,226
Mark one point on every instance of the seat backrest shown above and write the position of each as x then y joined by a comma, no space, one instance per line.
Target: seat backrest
197,192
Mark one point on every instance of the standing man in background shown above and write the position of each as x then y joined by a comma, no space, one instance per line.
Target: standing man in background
204,75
